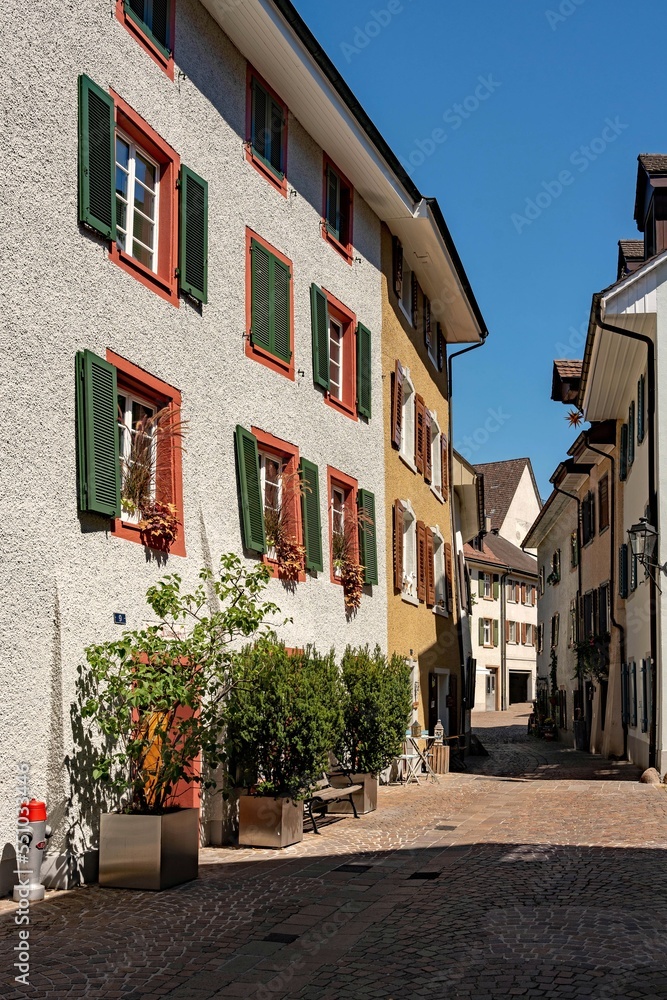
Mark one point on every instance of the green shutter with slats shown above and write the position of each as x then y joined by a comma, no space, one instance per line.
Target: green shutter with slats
631,433
641,404
480,585
310,509
496,588
319,309
623,571
363,370
623,460
277,126
193,236
97,158
368,535
250,489
333,210
157,26
481,631
495,631
258,137
270,302
97,435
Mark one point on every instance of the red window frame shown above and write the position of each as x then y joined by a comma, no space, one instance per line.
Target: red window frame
289,453
165,63
253,350
348,321
163,282
344,249
261,168
169,487
350,487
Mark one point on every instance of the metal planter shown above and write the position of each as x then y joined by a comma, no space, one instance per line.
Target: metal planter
365,800
267,822
149,852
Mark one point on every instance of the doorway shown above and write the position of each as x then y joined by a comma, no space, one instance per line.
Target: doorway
491,689
518,688
439,703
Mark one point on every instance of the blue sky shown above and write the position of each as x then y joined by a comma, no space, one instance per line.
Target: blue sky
569,89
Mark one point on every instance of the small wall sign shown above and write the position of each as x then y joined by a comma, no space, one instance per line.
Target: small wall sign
119,618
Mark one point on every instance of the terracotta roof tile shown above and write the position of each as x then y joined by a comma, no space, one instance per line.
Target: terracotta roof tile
632,249
569,368
653,163
501,481
498,551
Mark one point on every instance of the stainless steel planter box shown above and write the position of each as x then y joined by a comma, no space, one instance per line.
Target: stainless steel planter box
366,800
267,822
149,852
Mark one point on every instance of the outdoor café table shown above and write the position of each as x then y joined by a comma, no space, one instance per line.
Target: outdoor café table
409,763
423,755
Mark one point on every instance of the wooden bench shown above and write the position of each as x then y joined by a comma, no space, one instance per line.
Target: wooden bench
324,792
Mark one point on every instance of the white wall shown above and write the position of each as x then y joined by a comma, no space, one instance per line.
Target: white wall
522,512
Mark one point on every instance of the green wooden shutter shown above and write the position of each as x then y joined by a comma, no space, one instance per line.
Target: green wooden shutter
641,406
363,370
97,435
193,236
250,488
260,103
623,461
160,25
277,126
97,159
633,693
496,588
495,631
310,510
631,433
368,536
319,309
481,631
282,314
260,295
623,571
480,585
333,213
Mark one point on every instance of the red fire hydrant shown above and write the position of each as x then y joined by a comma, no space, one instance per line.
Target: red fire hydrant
32,836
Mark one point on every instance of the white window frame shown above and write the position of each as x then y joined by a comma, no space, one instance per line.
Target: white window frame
530,634
513,633
406,292
273,457
407,449
436,458
124,449
488,633
341,492
511,592
439,573
409,583
130,206
488,587
333,322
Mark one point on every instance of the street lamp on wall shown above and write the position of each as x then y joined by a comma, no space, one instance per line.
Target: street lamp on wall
643,543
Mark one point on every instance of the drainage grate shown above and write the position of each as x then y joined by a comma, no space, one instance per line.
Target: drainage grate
445,827
357,869
424,875
279,938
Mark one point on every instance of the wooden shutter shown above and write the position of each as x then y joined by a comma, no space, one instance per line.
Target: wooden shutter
97,159
368,536
398,545
193,235
97,435
270,302
259,132
415,299
277,126
397,261
495,631
442,354
444,466
507,631
260,328
631,433
452,703
282,311
430,569
481,631
344,224
397,406
623,461
523,593
428,453
523,633
427,324
623,571
363,370
603,491
319,313
641,408
421,560
419,433
449,576
250,489
310,512
496,587
480,585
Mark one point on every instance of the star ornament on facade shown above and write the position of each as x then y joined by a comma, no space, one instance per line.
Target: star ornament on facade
574,418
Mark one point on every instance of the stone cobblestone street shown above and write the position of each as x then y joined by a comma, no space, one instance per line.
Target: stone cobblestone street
540,872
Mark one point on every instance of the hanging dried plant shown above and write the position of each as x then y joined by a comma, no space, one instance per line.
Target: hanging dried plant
346,565
279,526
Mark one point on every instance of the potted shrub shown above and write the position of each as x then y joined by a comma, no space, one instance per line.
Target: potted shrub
376,711
156,702
549,729
285,714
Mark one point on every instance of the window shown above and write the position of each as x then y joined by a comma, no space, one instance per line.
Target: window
542,580
554,576
623,458
572,637
408,288
405,560
269,315
266,132
529,634
488,632
341,355
555,624
129,448
603,501
512,591
439,572
157,229
512,629
403,415
271,469
488,594
352,526
530,595
338,210
151,22
436,456
589,615
540,637
574,549
588,517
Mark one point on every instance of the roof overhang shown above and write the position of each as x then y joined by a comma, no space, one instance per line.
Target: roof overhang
464,483
610,359
272,36
553,510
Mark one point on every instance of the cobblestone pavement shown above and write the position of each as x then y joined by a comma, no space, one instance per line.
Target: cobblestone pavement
489,884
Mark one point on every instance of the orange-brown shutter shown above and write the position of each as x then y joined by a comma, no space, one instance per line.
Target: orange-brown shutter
398,265
427,324
398,545
397,406
421,560
420,413
415,299
444,466
507,631
430,569
523,633
448,576
523,593
428,457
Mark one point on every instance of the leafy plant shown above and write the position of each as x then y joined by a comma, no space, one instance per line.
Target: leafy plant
159,525
376,709
157,696
553,673
593,656
280,527
285,714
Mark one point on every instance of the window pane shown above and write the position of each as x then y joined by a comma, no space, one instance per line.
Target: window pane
143,230
144,200
335,359
121,182
121,216
143,255
122,153
272,469
145,171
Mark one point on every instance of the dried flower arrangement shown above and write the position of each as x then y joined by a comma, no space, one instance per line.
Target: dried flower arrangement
346,565
279,526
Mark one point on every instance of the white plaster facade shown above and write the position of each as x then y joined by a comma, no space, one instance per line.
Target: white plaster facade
523,509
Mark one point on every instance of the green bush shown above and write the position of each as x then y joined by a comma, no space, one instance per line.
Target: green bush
284,715
376,709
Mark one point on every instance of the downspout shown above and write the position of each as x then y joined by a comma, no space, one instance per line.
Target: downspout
573,496
504,696
612,564
450,464
652,506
